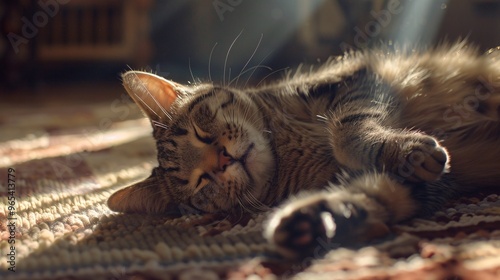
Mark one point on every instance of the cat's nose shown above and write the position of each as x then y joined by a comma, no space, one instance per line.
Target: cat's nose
224,160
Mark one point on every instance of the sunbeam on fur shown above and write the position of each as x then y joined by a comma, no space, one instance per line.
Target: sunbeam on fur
365,122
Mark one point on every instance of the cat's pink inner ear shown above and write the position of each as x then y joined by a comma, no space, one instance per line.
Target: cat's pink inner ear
152,93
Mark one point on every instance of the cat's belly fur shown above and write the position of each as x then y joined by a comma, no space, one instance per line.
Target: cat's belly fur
471,143
309,149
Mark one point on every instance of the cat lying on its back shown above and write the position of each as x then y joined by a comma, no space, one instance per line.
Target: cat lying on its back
374,137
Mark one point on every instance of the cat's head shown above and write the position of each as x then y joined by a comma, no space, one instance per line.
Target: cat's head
212,151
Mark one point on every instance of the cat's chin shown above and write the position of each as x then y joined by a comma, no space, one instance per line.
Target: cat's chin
260,166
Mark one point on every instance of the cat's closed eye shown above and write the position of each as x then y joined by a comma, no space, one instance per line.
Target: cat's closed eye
203,180
202,136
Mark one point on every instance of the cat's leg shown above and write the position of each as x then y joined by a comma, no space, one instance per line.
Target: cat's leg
412,156
355,212
365,134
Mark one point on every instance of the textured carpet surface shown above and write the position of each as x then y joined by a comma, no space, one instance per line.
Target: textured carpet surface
69,160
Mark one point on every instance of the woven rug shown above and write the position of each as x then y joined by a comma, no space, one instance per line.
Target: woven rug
59,166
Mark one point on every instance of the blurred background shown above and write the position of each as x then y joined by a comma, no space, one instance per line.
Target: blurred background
69,48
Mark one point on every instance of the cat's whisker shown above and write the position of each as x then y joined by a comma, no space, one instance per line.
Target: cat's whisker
254,205
146,105
261,205
254,118
210,63
164,111
257,120
241,121
253,201
245,113
253,68
225,118
158,124
191,70
234,119
129,68
240,202
256,67
232,115
244,200
248,61
272,73
254,121
227,56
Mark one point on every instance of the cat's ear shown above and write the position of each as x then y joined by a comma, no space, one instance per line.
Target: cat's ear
152,93
142,197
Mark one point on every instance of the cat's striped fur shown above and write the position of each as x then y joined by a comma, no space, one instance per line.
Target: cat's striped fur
372,137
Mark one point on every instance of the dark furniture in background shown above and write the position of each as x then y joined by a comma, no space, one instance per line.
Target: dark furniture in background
17,62
46,38
95,40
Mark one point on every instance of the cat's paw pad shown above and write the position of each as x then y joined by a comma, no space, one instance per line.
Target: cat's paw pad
424,161
299,231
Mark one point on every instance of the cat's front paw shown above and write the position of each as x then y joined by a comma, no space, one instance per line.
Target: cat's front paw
310,227
422,159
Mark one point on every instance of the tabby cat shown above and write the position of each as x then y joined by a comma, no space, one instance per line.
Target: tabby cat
369,139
